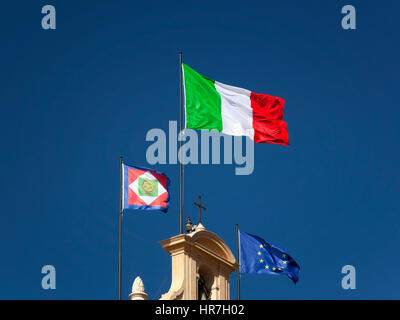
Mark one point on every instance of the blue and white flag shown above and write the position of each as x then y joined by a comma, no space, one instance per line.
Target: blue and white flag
261,257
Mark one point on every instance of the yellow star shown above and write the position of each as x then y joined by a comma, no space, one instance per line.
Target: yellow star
267,267
284,262
273,268
259,253
261,245
261,260
279,269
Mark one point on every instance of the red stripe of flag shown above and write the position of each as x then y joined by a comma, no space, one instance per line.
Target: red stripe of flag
267,119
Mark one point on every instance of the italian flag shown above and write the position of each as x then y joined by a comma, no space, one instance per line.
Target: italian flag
210,104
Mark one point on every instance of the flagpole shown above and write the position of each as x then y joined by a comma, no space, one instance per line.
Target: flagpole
120,232
180,147
238,258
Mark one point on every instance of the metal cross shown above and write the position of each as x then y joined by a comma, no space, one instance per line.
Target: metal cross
200,207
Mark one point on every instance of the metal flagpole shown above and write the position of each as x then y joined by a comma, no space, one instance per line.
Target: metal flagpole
120,232
238,258
180,147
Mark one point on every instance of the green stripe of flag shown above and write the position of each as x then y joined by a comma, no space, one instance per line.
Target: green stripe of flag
202,101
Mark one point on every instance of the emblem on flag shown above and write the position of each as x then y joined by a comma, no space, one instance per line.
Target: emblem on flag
144,189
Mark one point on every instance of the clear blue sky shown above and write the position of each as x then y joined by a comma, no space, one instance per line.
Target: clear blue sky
76,98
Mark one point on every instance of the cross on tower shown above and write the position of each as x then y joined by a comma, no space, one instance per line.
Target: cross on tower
200,207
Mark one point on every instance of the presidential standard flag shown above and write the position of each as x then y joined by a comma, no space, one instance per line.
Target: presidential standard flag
144,189
261,257
231,110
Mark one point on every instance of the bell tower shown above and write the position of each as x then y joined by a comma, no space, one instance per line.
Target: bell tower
201,265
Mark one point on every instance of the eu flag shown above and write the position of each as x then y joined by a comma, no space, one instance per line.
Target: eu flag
259,256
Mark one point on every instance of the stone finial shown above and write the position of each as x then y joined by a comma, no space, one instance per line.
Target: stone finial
138,286
138,290
199,227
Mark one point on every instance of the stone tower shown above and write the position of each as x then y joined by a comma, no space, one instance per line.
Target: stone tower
201,266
